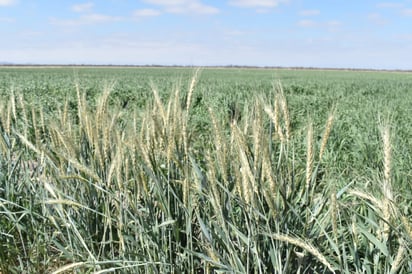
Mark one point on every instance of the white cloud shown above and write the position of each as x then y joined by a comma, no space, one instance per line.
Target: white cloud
100,18
184,6
404,37
195,7
399,7
146,13
333,23
407,12
83,7
389,5
333,26
309,12
307,23
7,20
167,2
7,2
233,33
329,25
88,19
257,3
377,19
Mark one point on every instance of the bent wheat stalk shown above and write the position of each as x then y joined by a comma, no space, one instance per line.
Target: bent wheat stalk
308,247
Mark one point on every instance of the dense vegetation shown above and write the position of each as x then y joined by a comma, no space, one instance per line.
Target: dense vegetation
161,170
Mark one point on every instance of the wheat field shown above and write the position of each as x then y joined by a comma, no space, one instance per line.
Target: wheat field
275,172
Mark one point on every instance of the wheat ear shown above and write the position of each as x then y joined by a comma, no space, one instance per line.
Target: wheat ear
159,103
274,116
398,259
387,187
8,120
306,246
407,226
309,156
285,111
334,214
326,134
13,104
220,146
191,88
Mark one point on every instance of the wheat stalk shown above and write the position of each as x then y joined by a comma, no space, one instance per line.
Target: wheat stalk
309,156
407,226
102,107
65,114
269,200
387,187
397,263
127,168
366,196
70,266
84,169
29,144
220,146
306,246
274,116
7,126
37,137
13,104
113,167
334,214
191,88
107,134
248,181
159,104
174,118
43,122
186,116
213,254
24,113
80,107
64,141
285,111
267,172
387,158
257,137
212,180
326,134
120,158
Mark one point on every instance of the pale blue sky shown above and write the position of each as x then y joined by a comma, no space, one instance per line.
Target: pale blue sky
309,33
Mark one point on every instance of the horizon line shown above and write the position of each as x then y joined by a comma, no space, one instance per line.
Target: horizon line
8,64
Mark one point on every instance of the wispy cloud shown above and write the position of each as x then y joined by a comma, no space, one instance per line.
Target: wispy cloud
83,7
307,23
389,5
333,24
184,6
6,3
401,8
404,37
256,3
146,13
167,2
100,18
377,19
407,12
309,12
7,20
328,25
88,19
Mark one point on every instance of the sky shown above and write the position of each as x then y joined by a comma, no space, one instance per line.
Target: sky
287,33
